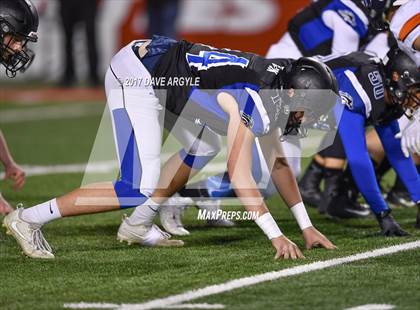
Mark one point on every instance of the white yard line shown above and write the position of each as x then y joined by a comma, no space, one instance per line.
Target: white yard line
373,307
50,113
84,305
97,167
256,279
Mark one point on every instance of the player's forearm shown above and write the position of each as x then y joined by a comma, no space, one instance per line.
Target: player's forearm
285,182
5,156
246,190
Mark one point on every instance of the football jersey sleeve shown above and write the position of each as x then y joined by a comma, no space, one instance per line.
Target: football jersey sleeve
352,133
250,106
351,14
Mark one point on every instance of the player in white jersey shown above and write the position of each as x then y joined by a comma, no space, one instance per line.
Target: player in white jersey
405,26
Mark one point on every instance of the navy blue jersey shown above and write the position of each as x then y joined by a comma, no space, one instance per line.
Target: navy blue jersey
242,75
313,37
361,82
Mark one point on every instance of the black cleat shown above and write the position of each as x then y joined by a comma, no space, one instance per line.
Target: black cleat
390,227
309,185
312,198
342,207
399,199
418,217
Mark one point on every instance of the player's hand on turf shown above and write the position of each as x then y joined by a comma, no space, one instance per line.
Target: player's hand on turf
314,239
16,174
5,208
286,249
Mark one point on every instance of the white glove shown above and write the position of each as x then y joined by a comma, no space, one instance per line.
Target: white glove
410,136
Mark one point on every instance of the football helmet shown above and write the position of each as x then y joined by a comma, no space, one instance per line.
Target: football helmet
18,26
402,81
310,89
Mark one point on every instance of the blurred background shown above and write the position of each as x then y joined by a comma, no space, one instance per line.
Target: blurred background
77,38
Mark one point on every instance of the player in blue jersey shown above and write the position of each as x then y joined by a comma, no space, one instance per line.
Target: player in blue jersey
240,95
331,161
325,27
372,96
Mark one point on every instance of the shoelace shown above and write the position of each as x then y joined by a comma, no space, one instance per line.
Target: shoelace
163,233
39,241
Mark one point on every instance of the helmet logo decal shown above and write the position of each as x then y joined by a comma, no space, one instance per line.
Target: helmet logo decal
274,68
346,99
348,17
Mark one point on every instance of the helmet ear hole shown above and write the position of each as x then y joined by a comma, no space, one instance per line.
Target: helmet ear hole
5,28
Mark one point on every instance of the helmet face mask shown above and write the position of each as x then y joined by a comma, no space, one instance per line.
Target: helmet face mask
15,54
310,91
18,26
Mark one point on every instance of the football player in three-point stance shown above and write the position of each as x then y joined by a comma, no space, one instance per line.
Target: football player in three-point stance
230,99
18,25
372,96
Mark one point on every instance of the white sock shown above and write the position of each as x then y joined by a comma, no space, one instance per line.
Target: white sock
42,213
144,214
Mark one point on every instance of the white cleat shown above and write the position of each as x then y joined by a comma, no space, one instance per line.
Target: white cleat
171,214
28,235
212,206
145,235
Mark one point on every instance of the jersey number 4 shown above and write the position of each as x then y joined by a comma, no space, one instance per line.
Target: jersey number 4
208,59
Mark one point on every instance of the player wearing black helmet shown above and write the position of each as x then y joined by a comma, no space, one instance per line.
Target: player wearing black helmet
18,26
366,86
226,98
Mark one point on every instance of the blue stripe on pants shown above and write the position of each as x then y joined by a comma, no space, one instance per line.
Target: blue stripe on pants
127,187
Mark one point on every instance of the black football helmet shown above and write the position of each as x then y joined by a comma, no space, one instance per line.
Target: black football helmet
402,81
309,88
18,22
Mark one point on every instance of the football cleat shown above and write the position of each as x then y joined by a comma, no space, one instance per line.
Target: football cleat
145,235
399,199
28,235
171,213
212,207
418,217
309,185
390,227
342,207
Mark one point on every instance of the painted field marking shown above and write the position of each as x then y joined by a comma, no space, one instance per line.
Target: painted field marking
256,279
106,166
83,305
373,307
50,113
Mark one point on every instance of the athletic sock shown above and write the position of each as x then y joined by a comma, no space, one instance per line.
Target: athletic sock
42,213
143,215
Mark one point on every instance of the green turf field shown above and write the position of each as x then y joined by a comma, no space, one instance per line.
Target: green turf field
91,266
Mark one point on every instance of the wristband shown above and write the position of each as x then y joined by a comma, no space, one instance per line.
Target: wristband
269,226
301,216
